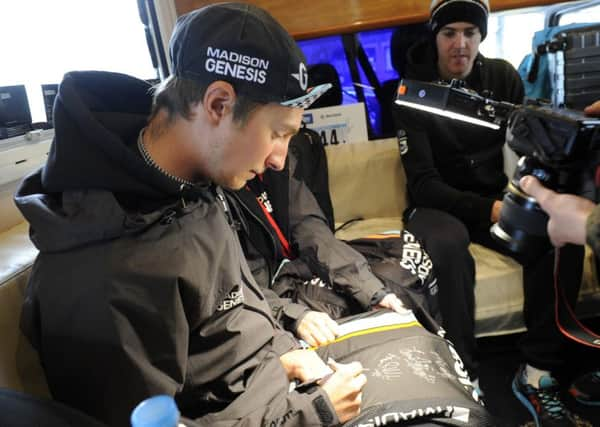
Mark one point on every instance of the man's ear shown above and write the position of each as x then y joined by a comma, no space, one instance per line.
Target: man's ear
218,101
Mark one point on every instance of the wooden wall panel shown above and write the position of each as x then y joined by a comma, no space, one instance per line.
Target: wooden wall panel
316,18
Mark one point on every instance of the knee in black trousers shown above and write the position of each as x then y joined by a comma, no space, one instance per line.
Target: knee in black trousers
446,239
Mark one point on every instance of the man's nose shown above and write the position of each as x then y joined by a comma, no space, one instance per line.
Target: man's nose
461,40
276,159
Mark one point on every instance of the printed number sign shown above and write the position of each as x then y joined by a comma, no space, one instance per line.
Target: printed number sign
340,124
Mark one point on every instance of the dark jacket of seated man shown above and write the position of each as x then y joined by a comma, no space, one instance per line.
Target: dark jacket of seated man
118,303
285,222
301,231
140,287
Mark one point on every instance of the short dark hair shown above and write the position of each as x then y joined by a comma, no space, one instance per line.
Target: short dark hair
176,96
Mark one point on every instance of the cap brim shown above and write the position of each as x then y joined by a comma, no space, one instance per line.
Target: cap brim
305,101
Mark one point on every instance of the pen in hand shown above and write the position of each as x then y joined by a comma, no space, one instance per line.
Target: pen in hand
318,381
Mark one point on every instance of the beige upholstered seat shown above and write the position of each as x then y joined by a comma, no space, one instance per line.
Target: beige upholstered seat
19,363
366,180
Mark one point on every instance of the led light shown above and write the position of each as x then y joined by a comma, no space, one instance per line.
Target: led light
449,114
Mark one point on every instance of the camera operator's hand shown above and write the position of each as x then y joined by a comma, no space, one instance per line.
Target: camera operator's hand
593,110
317,328
568,213
496,208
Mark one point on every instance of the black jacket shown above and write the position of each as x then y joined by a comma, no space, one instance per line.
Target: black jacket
305,227
140,287
450,165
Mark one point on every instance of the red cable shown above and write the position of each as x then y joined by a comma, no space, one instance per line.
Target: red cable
287,252
561,294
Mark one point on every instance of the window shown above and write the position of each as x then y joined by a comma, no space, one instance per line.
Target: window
41,40
589,14
331,51
376,44
510,34
377,48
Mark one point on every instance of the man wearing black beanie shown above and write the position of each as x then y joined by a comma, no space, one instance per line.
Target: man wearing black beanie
455,176
444,12
450,19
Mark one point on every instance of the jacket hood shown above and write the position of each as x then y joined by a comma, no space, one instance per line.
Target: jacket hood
97,117
94,165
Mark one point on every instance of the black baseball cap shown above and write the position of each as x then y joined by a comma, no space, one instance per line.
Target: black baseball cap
242,44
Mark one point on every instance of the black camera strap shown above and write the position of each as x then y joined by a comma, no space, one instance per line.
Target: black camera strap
565,317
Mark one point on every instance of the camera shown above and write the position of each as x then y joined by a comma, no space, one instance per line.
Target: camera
560,147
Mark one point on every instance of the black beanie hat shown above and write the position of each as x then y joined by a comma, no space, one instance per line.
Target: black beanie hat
444,12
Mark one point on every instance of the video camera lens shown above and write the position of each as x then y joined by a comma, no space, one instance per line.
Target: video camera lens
522,224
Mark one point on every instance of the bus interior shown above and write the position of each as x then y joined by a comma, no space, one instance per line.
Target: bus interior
357,45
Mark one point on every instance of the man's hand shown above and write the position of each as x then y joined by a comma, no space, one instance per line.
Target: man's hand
496,208
392,302
303,365
568,214
593,110
344,389
317,328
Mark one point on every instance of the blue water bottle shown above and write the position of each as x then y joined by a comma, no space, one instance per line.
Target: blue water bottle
157,411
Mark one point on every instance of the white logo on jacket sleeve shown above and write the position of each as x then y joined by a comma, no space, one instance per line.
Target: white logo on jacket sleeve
302,76
414,257
402,141
233,298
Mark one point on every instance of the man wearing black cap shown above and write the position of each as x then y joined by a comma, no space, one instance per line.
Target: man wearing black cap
140,287
457,169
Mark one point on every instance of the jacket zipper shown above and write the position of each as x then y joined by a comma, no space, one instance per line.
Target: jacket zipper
247,282
233,223
264,227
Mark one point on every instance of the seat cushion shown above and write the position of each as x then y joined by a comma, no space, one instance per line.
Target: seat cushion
366,180
498,292
498,281
498,289
362,228
17,253
19,363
